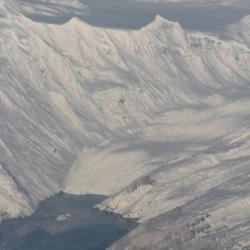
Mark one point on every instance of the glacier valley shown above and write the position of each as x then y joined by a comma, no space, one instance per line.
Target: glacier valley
151,113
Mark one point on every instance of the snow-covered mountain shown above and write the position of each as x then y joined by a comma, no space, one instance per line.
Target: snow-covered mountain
157,118
241,31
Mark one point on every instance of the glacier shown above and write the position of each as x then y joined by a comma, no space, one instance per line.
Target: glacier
156,118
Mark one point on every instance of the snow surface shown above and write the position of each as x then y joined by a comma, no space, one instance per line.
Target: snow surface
157,118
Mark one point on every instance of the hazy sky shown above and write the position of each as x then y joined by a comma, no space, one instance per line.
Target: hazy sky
132,15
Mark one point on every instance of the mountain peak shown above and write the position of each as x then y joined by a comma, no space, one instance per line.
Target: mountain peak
159,21
245,20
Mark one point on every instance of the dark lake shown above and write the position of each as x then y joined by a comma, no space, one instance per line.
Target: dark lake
65,222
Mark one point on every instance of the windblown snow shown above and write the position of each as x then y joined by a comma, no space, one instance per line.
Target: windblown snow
156,118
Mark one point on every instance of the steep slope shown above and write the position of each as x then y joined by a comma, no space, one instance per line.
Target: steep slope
200,200
241,30
12,199
178,74
191,75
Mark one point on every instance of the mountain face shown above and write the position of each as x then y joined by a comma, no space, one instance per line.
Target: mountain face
241,30
156,118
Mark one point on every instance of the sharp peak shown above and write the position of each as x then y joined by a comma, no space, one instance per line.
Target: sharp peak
245,19
160,21
243,23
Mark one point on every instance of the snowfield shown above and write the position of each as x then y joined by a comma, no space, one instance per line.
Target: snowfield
157,118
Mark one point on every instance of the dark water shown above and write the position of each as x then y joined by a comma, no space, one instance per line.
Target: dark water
65,222
127,14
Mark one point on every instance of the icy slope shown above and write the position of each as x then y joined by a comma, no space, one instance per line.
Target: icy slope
208,209
202,198
11,198
180,75
241,30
